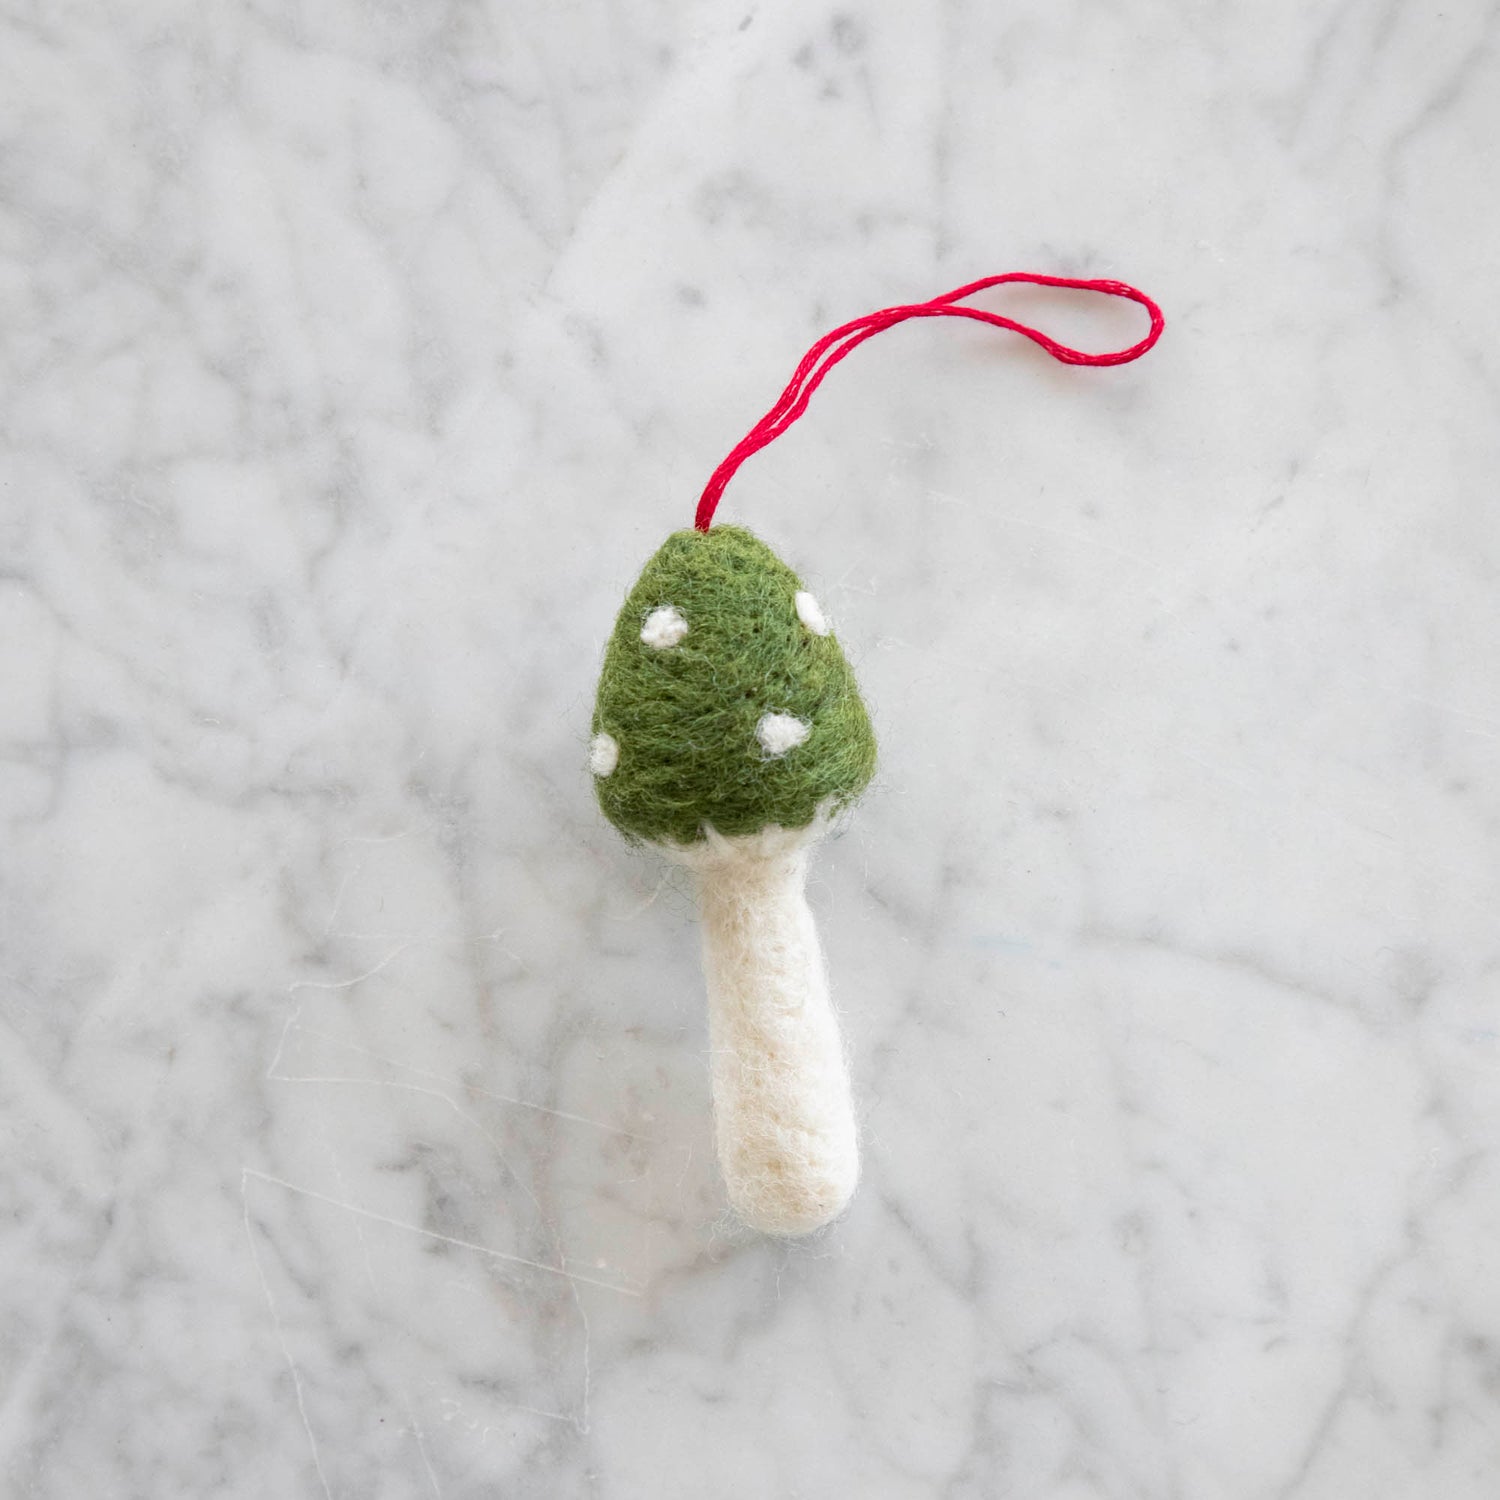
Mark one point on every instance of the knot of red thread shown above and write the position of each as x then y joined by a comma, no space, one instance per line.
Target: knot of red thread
842,341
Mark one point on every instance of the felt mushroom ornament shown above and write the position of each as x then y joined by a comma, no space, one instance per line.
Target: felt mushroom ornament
729,732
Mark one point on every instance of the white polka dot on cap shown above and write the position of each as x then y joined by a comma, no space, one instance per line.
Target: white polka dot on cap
604,754
810,612
664,628
779,733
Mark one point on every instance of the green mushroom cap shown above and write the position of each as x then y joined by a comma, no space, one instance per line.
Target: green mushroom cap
724,701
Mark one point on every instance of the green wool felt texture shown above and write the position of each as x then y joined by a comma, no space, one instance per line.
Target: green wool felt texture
685,715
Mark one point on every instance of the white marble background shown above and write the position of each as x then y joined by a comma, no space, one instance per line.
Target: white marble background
353,1100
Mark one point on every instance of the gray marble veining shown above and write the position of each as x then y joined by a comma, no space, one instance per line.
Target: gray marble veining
353,1087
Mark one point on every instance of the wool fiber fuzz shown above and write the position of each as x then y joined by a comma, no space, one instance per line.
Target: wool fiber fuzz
783,1112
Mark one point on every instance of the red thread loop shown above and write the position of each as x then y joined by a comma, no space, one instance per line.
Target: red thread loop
833,347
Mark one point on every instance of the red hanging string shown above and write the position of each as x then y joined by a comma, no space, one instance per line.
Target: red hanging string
833,347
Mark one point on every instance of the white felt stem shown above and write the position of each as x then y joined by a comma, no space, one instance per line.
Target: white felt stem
783,1113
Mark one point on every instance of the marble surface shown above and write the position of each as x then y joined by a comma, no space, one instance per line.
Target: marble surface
352,1072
